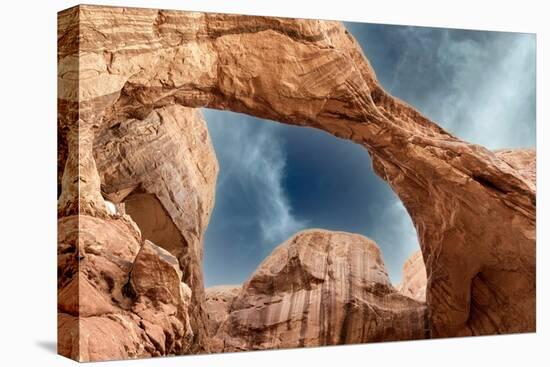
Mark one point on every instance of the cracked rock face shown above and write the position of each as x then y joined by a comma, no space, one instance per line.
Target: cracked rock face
318,288
128,82
117,298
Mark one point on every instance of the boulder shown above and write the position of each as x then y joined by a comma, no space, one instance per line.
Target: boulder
318,288
118,298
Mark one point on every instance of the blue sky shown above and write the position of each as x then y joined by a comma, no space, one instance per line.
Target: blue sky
277,179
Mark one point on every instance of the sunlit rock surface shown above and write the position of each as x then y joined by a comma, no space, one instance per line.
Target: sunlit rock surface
413,282
317,288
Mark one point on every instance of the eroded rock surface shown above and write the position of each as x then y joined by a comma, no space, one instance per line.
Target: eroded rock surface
218,305
318,288
118,298
413,282
163,169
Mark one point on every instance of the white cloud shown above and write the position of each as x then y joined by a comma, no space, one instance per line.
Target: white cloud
491,95
480,87
254,153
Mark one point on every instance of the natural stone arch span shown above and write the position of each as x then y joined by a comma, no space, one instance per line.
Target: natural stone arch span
474,210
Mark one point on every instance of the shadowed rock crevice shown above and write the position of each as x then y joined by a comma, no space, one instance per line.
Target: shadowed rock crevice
156,225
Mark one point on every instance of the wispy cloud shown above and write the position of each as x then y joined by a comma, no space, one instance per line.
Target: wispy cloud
491,101
253,157
480,85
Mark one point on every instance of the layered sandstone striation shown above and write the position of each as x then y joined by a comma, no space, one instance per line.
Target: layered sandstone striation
160,170
118,297
124,73
318,288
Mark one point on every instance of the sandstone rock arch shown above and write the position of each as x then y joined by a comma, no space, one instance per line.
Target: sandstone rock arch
474,210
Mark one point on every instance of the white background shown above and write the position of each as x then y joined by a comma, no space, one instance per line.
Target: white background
28,183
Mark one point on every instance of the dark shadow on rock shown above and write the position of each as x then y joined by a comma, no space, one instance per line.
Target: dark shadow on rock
48,345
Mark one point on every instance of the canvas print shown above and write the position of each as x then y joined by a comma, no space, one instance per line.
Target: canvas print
234,183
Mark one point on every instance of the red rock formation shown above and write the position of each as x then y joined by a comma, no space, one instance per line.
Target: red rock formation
474,209
524,161
413,281
218,304
318,288
163,169
117,298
